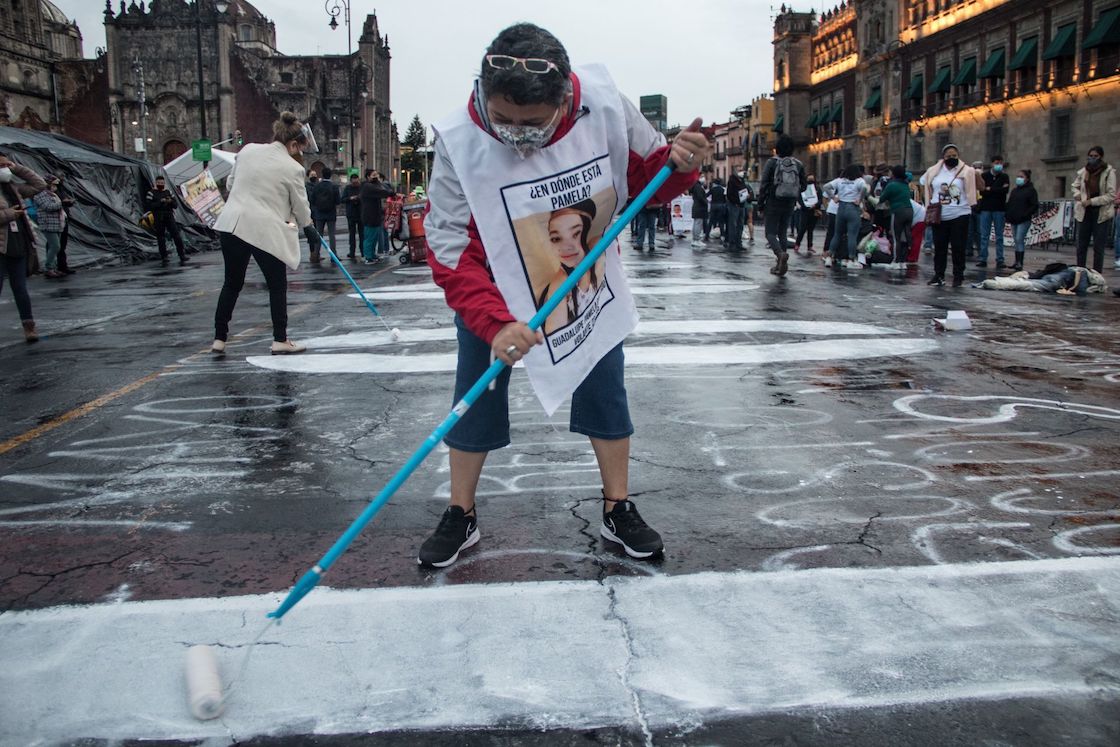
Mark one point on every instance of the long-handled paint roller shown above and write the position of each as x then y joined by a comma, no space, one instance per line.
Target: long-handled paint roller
203,679
394,333
308,581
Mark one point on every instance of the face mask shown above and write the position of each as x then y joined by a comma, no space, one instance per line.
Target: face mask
1020,181
952,162
998,168
5,175
1094,161
702,181
526,140
909,176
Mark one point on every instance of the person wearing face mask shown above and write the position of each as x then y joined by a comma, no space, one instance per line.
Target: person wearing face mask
1094,195
267,202
993,206
17,242
950,193
52,222
536,137
1022,205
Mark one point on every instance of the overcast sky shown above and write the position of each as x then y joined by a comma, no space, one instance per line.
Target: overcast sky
706,56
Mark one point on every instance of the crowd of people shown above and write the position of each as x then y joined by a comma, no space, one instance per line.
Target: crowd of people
954,211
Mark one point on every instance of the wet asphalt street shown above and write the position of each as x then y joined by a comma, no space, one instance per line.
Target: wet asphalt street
814,432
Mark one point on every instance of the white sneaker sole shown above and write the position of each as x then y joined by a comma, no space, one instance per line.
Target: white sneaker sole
471,541
608,534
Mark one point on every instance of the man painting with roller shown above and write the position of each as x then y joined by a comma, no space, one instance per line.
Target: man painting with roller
536,137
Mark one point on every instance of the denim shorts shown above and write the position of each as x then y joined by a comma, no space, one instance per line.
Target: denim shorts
599,406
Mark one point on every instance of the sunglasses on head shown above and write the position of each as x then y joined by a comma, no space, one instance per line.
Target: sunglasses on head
534,65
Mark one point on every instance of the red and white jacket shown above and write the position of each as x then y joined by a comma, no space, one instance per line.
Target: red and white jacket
456,252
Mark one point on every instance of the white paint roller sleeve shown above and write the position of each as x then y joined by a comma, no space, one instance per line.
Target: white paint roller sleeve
204,684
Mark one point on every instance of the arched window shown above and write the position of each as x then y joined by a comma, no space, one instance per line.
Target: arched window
244,32
172,149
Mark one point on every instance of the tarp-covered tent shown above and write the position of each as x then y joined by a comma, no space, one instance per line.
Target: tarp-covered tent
184,168
109,191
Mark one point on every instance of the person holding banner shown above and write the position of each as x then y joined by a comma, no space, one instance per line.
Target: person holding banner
267,205
538,142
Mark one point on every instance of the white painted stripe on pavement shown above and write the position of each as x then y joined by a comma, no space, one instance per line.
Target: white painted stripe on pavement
557,654
636,355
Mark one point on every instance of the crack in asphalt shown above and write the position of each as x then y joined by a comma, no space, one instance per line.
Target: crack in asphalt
50,577
624,671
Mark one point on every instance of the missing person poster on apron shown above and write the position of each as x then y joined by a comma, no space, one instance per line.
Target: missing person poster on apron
538,218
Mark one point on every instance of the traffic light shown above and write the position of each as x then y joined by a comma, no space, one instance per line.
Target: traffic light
341,147
240,139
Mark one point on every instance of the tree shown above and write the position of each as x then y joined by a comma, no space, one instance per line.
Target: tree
412,155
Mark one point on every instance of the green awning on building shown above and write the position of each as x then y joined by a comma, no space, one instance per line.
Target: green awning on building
875,100
1026,56
1107,30
966,76
779,123
813,120
1063,44
940,82
917,83
995,66
837,113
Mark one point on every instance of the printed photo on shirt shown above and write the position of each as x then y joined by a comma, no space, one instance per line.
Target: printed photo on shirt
556,222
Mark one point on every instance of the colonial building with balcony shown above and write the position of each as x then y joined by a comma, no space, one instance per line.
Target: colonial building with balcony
1035,81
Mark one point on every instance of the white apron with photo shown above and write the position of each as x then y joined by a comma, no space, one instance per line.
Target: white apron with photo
514,203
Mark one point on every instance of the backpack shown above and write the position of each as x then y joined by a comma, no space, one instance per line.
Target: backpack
787,179
322,196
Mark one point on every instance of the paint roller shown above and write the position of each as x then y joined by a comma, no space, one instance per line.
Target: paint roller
394,333
204,683
308,581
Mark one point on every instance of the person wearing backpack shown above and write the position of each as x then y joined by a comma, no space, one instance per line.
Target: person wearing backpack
783,181
324,198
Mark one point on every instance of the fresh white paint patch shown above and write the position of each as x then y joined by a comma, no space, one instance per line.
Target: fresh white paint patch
676,327
636,355
667,651
643,287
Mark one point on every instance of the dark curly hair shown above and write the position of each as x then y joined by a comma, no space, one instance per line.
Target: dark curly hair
518,85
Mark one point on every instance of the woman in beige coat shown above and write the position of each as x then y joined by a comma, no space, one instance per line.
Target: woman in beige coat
17,242
1094,195
267,202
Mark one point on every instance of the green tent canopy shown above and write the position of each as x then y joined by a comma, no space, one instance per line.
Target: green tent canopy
1027,56
1107,30
917,83
995,66
779,123
941,81
837,113
966,76
875,100
1063,44
813,120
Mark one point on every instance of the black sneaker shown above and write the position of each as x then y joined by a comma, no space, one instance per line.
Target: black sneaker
455,533
625,526
936,280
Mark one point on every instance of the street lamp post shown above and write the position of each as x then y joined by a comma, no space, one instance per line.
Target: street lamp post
221,6
142,109
334,9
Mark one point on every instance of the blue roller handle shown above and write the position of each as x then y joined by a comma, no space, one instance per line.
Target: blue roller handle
337,261
309,579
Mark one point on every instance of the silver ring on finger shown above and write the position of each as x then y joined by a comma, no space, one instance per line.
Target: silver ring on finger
691,156
512,350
